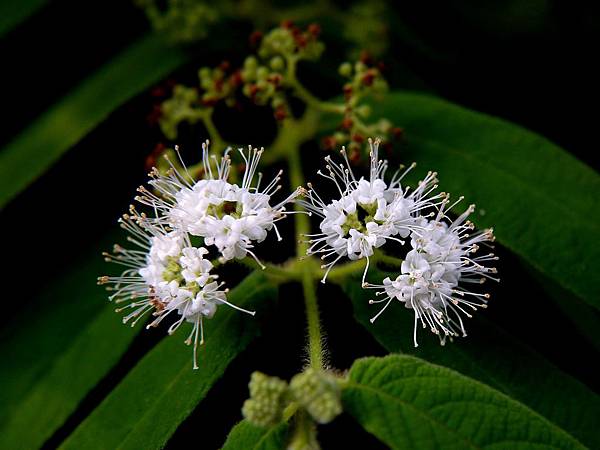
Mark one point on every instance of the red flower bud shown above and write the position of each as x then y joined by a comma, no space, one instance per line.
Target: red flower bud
358,138
347,91
367,80
280,113
225,66
236,78
158,91
398,133
366,58
328,143
153,156
314,29
210,102
155,115
354,156
255,38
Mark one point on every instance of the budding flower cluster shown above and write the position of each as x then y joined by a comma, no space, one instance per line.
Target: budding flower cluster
181,20
169,273
364,81
268,77
179,108
317,392
268,399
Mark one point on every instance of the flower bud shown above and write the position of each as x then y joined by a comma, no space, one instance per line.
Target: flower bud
267,400
345,69
318,393
277,63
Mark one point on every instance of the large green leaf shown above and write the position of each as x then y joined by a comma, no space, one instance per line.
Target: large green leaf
410,404
12,13
145,409
65,123
493,357
245,436
56,352
583,316
542,202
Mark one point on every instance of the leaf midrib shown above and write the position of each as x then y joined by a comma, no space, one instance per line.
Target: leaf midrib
419,362
263,438
410,406
444,426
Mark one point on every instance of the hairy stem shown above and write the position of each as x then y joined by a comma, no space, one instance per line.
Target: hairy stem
315,344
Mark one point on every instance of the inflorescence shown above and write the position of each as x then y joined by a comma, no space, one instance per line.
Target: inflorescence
170,273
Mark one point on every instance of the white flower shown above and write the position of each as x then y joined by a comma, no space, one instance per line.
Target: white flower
165,275
368,213
434,272
229,216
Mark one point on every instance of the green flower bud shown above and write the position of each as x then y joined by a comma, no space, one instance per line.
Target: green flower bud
250,62
262,73
262,84
204,73
277,63
364,111
277,101
360,67
267,400
318,393
384,125
345,69
263,53
340,138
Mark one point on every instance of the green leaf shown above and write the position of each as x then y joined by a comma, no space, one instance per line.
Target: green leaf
583,316
56,353
493,357
410,404
144,410
542,202
13,13
245,436
64,124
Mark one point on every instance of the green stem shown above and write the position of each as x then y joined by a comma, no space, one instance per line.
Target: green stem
315,344
388,260
305,433
315,341
215,137
305,95
279,273
348,269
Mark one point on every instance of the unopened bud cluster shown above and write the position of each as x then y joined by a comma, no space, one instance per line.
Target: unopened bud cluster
314,391
268,396
364,80
268,78
181,20
318,393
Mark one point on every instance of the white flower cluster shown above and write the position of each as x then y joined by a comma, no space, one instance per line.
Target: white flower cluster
441,256
368,213
440,260
229,216
167,274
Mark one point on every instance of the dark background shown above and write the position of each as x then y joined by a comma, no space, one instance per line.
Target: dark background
531,62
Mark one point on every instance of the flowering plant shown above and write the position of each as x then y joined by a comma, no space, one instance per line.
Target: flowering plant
295,230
